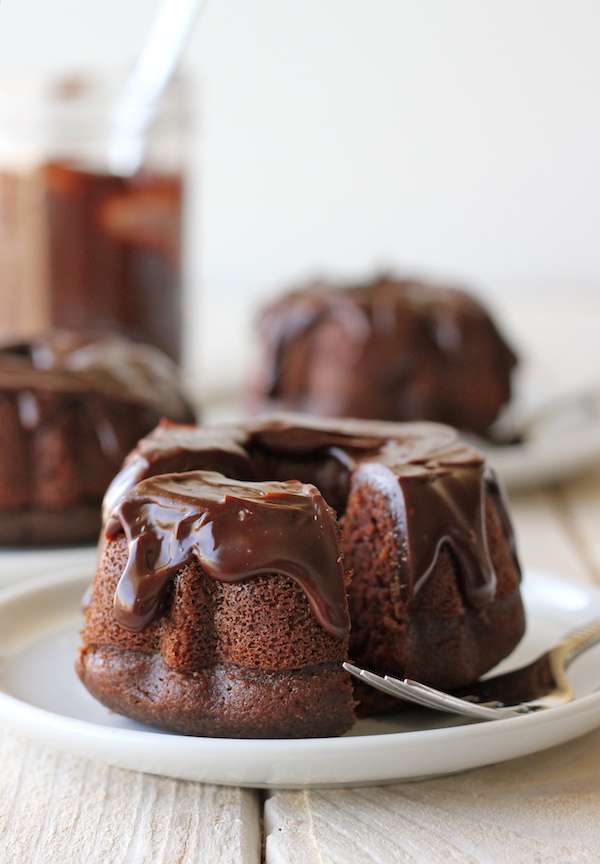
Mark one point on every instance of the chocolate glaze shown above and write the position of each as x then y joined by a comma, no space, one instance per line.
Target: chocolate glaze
496,491
71,408
235,530
434,506
174,448
436,487
393,349
66,361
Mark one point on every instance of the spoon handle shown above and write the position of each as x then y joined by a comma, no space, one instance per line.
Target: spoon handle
150,75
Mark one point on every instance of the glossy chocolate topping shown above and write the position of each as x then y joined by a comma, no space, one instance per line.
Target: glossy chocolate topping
433,507
66,361
392,349
235,530
371,309
436,487
174,448
438,497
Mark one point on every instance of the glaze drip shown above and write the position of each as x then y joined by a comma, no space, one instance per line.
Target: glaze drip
434,507
393,349
66,361
434,483
235,530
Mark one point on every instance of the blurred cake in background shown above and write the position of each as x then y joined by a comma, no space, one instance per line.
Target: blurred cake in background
71,408
393,349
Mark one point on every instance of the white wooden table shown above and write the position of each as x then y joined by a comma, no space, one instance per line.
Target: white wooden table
59,808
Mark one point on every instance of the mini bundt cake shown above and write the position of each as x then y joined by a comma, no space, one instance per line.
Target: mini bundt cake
396,350
226,584
71,408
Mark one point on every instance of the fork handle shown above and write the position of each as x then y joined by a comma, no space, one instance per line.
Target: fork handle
575,643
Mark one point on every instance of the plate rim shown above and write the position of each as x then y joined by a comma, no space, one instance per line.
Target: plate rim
532,463
55,729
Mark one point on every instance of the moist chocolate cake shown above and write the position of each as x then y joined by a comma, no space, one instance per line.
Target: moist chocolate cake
71,408
226,585
393,349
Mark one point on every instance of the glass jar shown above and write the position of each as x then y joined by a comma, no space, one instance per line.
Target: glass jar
83,246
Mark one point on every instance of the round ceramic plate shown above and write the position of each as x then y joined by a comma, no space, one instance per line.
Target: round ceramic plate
41,695
548,456
16,565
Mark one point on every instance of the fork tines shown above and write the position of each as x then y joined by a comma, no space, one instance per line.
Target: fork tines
429,697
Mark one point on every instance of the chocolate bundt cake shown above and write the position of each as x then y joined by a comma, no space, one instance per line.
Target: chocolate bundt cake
393,349
227,583
71,408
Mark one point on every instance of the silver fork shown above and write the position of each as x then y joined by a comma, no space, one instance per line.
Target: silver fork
539,685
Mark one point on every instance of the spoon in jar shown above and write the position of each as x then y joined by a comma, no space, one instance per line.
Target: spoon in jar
151,73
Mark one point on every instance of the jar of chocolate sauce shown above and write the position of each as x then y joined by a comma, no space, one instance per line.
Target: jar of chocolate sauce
82,246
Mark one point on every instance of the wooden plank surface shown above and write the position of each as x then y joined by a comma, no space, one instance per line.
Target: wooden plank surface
60,809
543,808
581,502
544,539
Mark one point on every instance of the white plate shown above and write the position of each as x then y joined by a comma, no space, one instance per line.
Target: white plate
16,565
41,695
549,456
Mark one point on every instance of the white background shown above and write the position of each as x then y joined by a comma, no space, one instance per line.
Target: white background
451,138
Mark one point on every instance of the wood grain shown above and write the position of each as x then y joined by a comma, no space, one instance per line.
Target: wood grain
542,808
544,540
581,512
60,809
